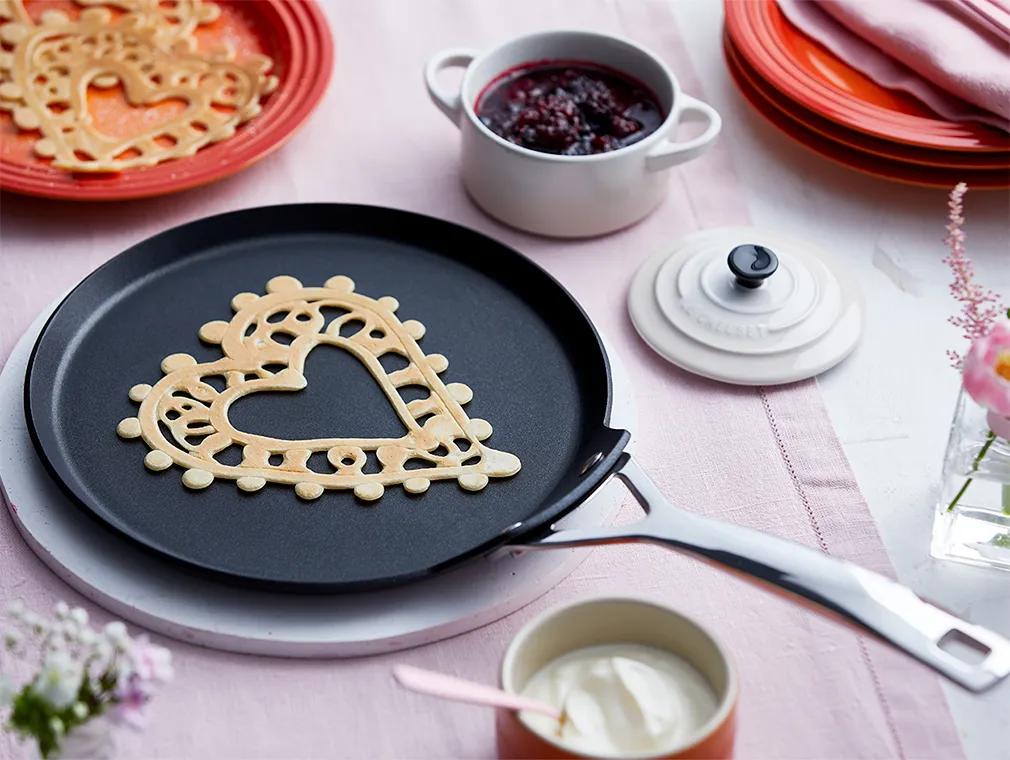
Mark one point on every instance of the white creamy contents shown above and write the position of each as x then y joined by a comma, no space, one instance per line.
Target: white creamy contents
621,699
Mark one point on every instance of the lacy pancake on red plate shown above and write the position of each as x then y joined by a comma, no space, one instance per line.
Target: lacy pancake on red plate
112,100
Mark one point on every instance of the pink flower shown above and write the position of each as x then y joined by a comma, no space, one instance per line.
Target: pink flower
129,701
979,306
151,663
987,376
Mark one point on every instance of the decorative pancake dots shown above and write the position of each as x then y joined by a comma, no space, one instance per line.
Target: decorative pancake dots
149,48
183,418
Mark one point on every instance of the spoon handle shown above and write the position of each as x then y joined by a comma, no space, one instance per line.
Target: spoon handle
450,687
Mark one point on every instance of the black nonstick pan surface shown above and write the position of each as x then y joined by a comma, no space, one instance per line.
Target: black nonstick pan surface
512,333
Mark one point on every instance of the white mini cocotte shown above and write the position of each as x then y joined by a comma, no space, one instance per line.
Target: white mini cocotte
568,196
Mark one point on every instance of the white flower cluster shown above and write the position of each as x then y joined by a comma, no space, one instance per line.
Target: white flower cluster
121,671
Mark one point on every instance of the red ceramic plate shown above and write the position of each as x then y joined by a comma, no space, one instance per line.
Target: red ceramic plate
866,163
810,75
292,32
858,140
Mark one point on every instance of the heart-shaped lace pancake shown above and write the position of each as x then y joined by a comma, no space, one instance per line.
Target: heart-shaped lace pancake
148,48
183,418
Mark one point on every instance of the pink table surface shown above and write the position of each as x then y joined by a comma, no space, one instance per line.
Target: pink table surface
810,688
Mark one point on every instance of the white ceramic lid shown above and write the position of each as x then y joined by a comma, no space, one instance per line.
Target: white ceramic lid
748,306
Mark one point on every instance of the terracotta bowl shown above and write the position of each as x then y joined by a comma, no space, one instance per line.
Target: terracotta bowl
593,622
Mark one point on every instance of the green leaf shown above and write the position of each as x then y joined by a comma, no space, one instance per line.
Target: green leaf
31,716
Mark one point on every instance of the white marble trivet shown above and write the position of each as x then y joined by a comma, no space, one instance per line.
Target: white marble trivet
153,593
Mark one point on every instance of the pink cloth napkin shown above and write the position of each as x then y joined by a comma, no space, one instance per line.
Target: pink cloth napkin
994,15
810,688
954,56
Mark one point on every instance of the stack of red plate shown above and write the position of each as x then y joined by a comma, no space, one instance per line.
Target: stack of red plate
293,33
833,109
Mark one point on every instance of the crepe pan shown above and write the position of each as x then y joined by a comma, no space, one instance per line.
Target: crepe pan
511,332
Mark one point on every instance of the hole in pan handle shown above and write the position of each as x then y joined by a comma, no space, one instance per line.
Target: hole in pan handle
831,586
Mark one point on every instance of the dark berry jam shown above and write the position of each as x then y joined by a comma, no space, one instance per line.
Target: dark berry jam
571,108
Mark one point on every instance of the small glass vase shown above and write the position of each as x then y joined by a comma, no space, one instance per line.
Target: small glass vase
972,523
93,740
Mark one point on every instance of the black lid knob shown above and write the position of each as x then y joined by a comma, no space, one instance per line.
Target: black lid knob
752,264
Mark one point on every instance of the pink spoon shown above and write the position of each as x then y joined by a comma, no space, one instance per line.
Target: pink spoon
450,687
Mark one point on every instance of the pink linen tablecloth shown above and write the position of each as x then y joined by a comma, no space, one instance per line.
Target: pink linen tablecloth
810,688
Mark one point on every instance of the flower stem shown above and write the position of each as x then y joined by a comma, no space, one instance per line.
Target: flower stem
989,439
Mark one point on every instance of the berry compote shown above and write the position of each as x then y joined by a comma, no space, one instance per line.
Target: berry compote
570,108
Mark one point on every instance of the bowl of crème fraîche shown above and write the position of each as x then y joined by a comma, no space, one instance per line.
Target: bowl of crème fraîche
631,678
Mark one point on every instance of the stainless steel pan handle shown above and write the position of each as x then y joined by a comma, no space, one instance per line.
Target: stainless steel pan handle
863,598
